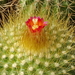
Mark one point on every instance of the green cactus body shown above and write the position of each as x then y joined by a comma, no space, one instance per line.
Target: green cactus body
58,58
63,7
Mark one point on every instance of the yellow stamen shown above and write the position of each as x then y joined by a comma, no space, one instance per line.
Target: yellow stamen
34,27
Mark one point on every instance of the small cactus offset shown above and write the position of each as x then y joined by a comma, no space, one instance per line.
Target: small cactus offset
37,45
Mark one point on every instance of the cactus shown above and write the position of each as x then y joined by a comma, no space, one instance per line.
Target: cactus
27,49
64,7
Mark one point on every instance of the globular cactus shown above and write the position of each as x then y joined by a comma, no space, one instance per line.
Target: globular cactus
63,7
30,46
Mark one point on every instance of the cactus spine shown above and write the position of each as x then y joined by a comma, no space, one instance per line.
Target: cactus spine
57,60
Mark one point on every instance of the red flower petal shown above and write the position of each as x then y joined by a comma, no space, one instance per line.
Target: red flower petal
36,24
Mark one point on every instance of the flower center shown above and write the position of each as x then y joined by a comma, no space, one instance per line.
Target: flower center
35,23
34,27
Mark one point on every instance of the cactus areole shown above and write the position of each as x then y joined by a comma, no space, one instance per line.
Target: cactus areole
36,24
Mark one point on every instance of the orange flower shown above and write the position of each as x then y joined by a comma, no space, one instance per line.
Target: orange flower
36,24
